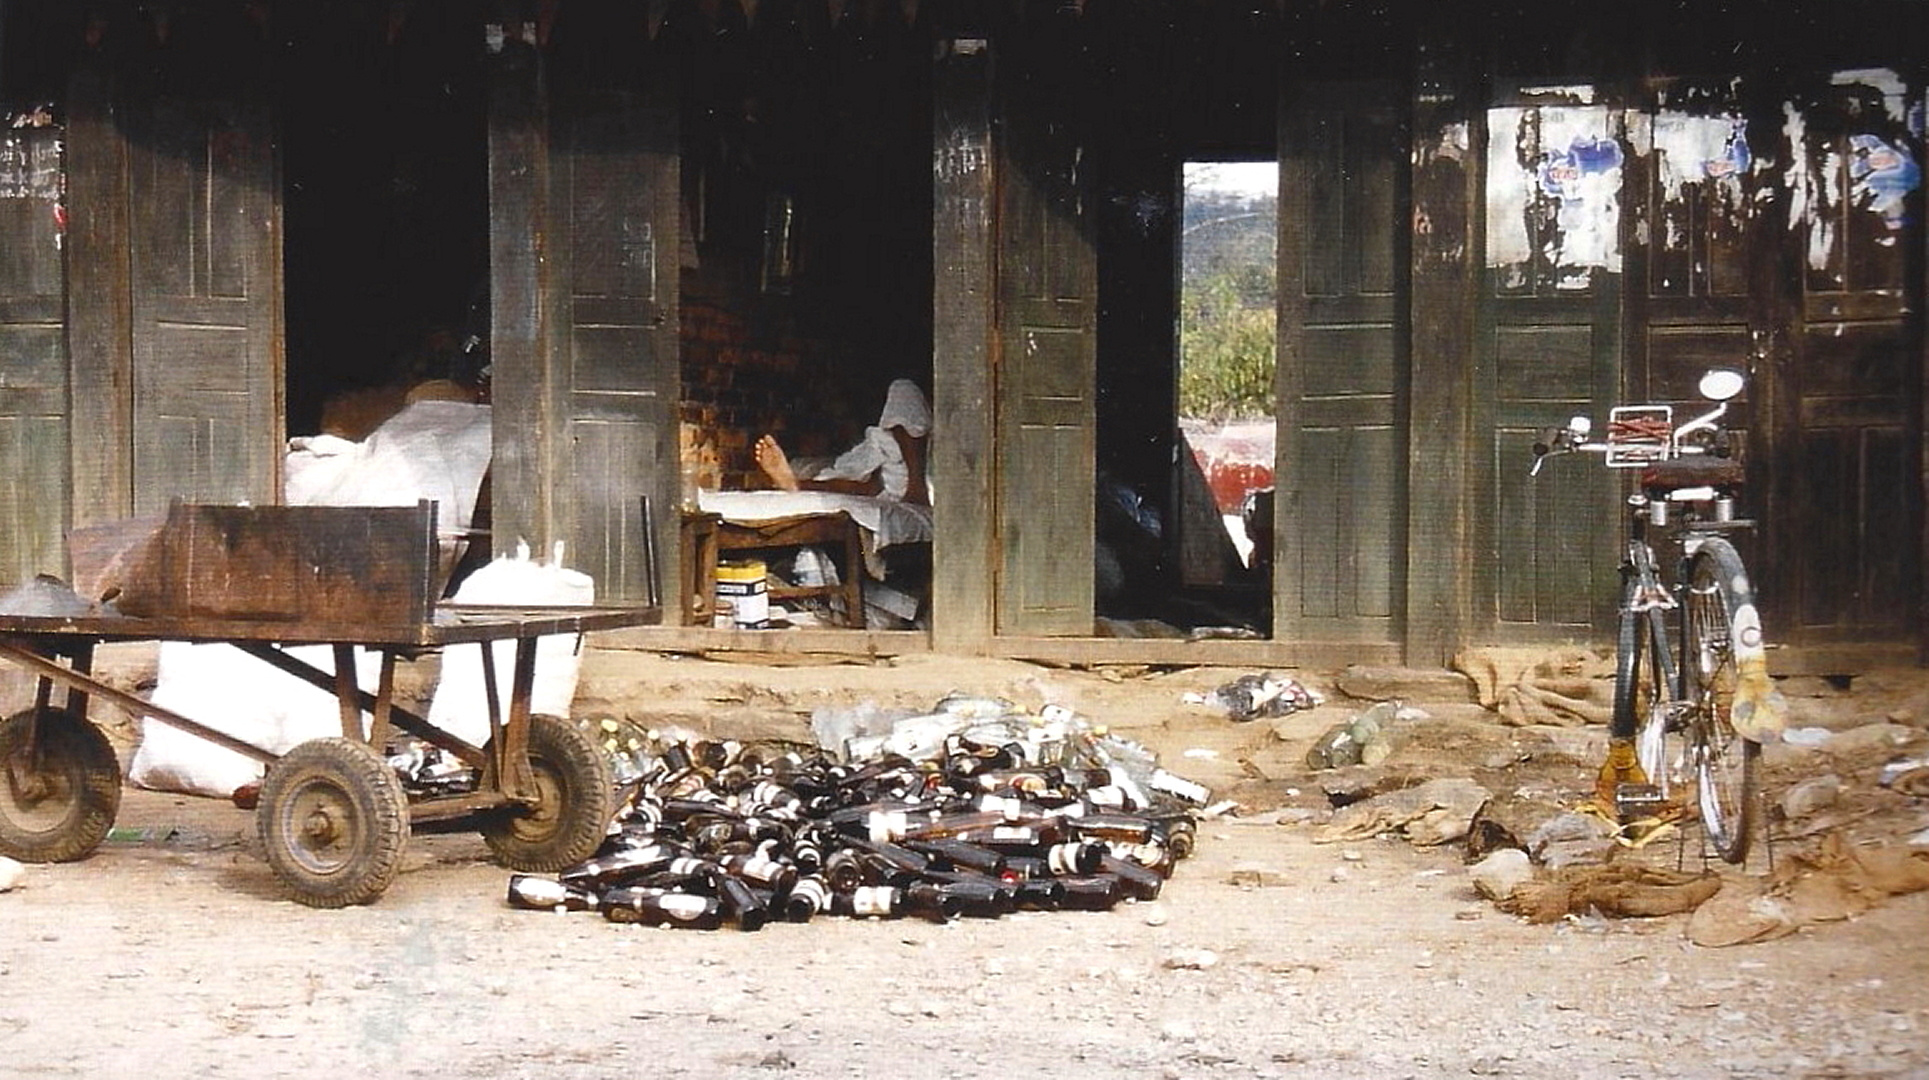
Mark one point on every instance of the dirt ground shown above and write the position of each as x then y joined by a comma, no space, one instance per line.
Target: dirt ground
172,952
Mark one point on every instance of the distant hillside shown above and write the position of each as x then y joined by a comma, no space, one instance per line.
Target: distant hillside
1226,233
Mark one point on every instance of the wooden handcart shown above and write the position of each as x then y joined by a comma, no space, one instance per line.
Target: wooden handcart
333,814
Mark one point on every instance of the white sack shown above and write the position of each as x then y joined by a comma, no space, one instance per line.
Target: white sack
430,450
234,693
461,706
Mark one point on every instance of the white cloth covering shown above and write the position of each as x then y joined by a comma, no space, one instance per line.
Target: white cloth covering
878,451
888,521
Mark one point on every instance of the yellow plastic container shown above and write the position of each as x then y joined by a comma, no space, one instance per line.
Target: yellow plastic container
744,594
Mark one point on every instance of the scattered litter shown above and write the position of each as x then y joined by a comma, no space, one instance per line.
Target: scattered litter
1894,770
1839,880
1366,739
1252,875
1190,960
1740,919
1571,838
48,597
1910,776
1615,891
976,808
1436,812
1807,736
1252,697
1497,876
142,834
11,874
1815,793
1564,687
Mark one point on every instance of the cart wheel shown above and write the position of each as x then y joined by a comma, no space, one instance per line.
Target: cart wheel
334,820
62,811
567,822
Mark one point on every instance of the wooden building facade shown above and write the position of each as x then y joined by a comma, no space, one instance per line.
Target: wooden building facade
1491,217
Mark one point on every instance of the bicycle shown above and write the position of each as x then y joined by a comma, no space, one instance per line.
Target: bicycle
1693,701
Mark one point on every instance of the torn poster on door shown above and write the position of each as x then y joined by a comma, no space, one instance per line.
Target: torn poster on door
1553,191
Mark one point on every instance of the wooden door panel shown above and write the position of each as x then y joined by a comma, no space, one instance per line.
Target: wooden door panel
1552,570
206,305
1548,348
1347,508
613,457
1047,274
206,438
1340,468
34,418
617,164
1847,523
1551,575
33,481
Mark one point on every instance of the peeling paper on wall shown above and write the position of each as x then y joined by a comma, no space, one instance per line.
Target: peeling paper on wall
1883,176
1883,81
1560,160
1808,197
1693,149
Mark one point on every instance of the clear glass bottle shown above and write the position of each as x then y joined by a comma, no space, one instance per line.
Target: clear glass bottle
533,893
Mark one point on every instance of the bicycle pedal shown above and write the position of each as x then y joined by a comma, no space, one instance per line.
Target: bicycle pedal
1633,802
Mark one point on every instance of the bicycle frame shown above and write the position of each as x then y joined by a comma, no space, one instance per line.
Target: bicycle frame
1673,677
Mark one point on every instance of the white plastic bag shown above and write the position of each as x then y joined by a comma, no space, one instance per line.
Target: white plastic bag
461,705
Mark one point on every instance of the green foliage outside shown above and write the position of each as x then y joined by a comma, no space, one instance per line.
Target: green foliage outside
1229,346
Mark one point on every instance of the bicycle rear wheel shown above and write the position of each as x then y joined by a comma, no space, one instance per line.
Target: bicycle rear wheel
1721,607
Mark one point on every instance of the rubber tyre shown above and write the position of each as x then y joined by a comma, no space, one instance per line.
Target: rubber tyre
334,822
1725,762
571,814
82,791
1643,679
1658,741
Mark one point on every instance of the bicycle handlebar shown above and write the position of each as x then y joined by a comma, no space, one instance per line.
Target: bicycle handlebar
1643,433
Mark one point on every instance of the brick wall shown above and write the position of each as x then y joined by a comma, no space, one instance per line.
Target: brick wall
749,368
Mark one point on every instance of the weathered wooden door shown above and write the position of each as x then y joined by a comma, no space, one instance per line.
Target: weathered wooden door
616,163
1341,461
1700,231
1547,348
583,188
205,249
1844,530
1047,275
34,422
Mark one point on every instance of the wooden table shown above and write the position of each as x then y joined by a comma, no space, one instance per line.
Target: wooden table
708,539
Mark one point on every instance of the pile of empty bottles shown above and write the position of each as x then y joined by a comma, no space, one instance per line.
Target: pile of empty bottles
974,809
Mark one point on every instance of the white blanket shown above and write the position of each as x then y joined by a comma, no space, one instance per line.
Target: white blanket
888,521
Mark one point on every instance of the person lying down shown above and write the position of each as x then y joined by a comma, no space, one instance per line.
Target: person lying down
888,462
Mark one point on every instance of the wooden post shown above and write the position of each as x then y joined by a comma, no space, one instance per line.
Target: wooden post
964,551
99,319
519,302
1447,223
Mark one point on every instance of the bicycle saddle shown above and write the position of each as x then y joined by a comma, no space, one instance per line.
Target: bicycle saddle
1698,470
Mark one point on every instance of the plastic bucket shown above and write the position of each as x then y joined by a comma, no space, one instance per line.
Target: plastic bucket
743,593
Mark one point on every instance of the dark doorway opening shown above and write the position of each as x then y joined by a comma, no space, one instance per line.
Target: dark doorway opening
386,218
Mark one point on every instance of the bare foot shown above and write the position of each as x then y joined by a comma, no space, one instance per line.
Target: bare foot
770,458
